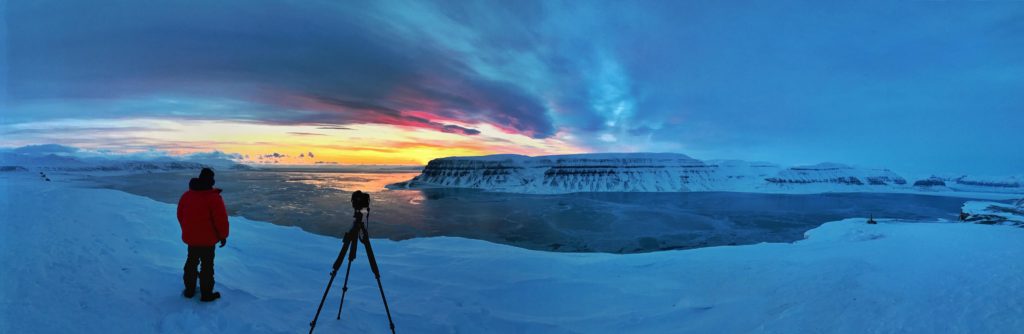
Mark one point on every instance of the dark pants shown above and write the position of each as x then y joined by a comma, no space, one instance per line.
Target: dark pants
202,257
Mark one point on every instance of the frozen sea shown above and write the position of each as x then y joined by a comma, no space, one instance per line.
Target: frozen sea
318,201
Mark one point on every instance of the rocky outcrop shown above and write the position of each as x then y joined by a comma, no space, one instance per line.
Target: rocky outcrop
930,182
13,169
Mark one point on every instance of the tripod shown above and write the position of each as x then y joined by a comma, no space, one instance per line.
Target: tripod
357,233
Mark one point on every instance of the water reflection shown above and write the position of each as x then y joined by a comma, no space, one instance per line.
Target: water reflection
607,222
367,182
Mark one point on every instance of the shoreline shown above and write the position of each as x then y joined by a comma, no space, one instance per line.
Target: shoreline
844,276
580,222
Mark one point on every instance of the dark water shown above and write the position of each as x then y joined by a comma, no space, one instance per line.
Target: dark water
605,222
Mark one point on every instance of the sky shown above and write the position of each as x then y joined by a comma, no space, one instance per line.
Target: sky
915,86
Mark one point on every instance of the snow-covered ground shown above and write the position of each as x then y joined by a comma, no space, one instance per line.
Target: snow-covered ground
81,260
986,212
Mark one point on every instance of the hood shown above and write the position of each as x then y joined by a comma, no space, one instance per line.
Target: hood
199,184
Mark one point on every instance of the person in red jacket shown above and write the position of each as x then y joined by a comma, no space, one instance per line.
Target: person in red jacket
204,222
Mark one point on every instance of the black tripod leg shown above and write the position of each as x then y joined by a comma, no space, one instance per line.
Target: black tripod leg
344,287
376,273
334,272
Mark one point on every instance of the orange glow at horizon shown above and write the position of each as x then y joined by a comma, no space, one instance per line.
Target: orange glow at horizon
347,145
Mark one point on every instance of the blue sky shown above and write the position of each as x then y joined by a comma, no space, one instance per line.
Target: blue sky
916,86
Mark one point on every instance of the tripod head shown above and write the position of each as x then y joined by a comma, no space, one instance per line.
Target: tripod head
360,201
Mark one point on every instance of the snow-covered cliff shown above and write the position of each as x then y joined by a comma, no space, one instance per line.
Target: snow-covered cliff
835,177
833,173
1010,184
1013,184
641,172
568,173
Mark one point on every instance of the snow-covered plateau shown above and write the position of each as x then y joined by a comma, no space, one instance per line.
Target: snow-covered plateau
83,260
671,172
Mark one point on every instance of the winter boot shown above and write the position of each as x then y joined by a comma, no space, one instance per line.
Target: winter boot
188,293
209,297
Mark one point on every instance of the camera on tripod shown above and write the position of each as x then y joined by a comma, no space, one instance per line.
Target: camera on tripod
357,234
360,200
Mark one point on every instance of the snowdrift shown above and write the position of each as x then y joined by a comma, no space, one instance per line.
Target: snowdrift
100,261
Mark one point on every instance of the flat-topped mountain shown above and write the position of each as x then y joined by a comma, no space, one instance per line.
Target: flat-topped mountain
827,176
567,173
645,172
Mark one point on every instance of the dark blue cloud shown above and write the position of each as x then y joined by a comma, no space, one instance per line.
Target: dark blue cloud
270,54
917,86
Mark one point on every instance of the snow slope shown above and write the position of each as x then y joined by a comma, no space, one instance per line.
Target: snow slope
96,260
986,212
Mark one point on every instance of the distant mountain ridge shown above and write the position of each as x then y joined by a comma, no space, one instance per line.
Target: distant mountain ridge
1007,184
13,161
662,172
833,173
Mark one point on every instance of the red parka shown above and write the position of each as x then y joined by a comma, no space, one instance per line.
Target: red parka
203,217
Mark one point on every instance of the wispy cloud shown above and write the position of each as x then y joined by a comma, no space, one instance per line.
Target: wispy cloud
782,81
